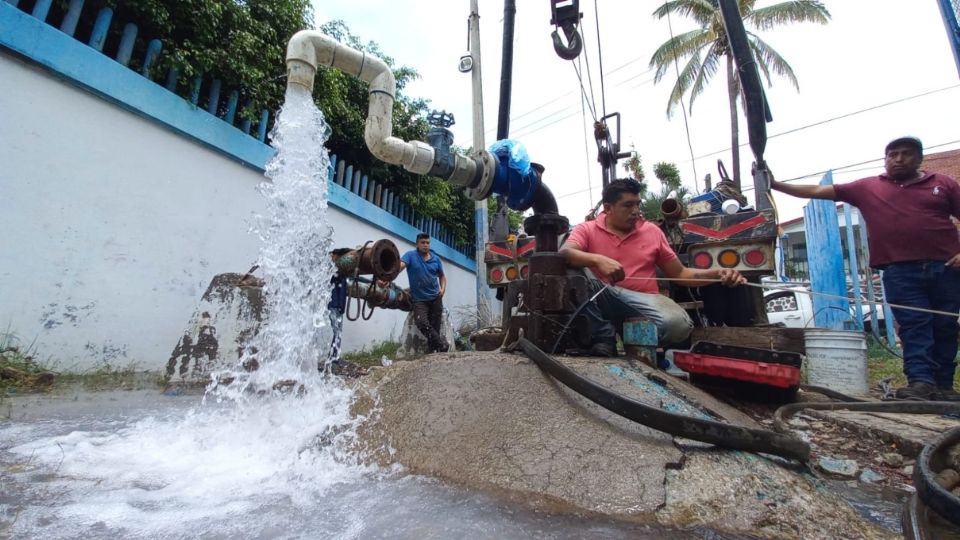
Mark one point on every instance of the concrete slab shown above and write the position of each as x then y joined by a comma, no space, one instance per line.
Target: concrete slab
909,432
494,421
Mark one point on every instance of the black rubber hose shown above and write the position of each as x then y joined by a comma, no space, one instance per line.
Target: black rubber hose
831,393
782,415
924,479
697,429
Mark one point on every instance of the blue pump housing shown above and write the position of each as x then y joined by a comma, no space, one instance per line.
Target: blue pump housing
514,178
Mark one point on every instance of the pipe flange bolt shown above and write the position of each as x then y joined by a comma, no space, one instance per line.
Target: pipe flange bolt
488,165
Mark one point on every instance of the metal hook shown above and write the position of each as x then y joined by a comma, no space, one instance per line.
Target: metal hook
574,46
566,15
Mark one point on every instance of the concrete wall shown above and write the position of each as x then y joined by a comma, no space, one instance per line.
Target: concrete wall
112,224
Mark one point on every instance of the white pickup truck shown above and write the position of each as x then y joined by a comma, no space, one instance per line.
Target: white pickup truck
793,307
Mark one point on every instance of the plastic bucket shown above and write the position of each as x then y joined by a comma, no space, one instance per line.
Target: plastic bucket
837,359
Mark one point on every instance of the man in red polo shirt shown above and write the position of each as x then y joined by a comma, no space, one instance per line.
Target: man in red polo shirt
621,247
912,240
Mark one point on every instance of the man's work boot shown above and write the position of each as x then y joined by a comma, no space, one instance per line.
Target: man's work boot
607,349
918,391
948,394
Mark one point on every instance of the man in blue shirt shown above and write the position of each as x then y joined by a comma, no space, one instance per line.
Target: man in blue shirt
427,285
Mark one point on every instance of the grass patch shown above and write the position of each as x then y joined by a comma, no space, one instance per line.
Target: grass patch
21,372
367,358
107,377
883,364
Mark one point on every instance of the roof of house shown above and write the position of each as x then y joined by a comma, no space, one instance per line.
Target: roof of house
947,163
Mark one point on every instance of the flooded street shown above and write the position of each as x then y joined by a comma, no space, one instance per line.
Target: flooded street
140,464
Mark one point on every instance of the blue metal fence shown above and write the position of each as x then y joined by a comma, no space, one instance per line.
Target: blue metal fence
373,192
125,52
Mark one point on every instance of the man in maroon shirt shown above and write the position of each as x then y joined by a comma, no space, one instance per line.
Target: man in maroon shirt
907,213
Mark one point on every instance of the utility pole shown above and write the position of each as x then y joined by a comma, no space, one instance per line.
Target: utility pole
480,207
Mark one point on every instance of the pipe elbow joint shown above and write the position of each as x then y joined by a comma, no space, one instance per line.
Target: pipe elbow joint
302,59
414,156
518,187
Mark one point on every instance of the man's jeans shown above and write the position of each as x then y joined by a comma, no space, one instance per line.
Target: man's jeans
929,341
428,316
616,304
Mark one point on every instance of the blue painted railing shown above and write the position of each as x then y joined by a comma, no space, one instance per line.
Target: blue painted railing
351,190
125,51
354,181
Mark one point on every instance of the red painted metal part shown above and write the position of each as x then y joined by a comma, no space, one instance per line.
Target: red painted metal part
726,232
779,375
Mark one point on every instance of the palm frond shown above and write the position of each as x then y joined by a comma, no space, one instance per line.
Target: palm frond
793,11
770,60
709,66
701,11
678,49
688,74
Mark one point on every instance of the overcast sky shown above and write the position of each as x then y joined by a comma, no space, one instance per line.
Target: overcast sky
872,53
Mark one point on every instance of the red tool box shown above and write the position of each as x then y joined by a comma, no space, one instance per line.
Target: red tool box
772,368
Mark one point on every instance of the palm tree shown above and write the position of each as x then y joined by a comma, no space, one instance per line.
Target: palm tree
700,51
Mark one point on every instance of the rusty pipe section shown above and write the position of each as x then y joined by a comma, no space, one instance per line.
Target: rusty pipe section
384,297
672,211
309,49
380,258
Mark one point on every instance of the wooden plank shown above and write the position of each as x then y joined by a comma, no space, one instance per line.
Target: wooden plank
778,339
826,262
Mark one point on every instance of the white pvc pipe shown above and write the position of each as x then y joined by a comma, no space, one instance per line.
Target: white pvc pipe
309,48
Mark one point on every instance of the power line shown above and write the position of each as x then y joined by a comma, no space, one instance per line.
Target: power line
547,125
843,167
586,148
686,124
569,108
603,92
842,116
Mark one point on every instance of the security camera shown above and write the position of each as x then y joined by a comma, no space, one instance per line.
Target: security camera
466,63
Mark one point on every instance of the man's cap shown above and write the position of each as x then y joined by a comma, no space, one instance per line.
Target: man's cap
905,141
